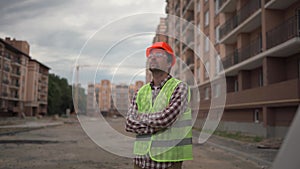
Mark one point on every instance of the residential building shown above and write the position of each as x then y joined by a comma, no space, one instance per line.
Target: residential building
257,43
121,99
91,104
37,88
104,96
110,99
138,85
24,81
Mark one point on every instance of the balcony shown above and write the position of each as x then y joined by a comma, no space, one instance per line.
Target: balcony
7,69
278,93
279,4
4,94
247,19
16,73
286,31
5,81
14,96
188,8
17,85
227,6
16,62
177,9
7,56
242,54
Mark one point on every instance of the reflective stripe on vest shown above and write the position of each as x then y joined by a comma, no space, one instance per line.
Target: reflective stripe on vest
172,144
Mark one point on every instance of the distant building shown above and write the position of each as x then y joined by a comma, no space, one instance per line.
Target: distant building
91,104
24,81
138,85
110,99
121,99
104,96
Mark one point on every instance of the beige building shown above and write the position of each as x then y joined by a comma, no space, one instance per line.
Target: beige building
257,42
37,88
91,101
24,81
104,96
110,99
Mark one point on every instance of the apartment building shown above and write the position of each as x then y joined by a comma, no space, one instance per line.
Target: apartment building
110,99
257,43
104,96
121,99
37,88
138,85
24,81
91,101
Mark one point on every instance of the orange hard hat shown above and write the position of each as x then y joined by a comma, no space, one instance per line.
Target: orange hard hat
164,46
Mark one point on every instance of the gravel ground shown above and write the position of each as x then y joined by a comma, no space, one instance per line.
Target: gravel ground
67,146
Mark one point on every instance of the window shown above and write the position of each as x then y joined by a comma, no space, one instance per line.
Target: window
261,79
236,85
206,44
199,73
198,96
199,6
217,64
206,69
217,90
298,19
206,93
217,34
206,21
256,116
299,68
199,26
217,6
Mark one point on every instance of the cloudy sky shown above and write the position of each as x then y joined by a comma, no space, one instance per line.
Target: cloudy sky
91,33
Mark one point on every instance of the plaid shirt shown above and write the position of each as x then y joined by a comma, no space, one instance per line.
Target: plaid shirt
153,122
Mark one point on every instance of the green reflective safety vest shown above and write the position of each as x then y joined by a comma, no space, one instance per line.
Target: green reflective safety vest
171,144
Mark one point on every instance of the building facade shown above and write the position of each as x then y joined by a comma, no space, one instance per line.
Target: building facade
37,88
257,43
110,99
91,101
24,81
104,96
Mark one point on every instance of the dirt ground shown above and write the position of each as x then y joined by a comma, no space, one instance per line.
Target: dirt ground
67,146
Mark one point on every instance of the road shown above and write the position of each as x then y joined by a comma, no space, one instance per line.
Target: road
67,146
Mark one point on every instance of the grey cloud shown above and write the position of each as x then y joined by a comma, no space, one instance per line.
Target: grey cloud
60,29
62,39
15,11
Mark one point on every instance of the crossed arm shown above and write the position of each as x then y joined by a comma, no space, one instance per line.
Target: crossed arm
144,123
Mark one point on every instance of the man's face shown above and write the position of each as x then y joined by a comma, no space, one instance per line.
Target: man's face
158,60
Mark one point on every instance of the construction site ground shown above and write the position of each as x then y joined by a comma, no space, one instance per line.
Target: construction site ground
62,143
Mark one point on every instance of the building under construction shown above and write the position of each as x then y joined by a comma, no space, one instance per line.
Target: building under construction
257,43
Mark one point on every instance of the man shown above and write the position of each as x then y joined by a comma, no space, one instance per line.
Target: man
160,116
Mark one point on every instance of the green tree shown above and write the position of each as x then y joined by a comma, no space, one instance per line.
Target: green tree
59,95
